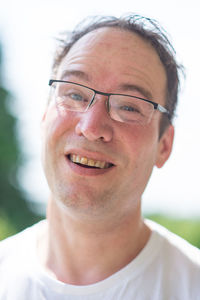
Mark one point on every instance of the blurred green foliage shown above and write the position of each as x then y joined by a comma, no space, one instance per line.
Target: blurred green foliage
189,229
15,213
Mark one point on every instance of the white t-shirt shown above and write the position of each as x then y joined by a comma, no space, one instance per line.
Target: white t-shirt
168,268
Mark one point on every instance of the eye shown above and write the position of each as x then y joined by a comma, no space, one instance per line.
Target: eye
129,108
75,96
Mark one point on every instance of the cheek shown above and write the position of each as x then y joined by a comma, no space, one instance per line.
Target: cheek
136,137
56,124
140,144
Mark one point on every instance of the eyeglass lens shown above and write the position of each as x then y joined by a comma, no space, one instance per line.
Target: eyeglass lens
122,108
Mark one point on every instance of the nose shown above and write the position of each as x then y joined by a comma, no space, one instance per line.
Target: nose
95,123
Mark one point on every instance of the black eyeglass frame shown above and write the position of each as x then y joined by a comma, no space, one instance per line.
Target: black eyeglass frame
156,106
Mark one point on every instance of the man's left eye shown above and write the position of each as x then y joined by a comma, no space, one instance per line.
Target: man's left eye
129,108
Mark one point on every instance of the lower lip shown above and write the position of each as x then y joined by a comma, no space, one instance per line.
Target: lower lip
86,171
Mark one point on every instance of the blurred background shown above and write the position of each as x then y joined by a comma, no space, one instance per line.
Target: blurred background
27,42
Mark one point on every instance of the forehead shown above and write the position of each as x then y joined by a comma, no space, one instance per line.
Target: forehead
112,55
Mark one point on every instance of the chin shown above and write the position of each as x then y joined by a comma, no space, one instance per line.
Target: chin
85,201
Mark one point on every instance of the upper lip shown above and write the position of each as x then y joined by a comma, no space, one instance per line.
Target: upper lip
94,155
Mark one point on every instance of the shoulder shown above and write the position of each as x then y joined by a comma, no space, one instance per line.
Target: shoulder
175,245
177,263
16,246
18,264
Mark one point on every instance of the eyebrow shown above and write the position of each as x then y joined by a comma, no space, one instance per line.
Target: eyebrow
133,88
76,73
123,87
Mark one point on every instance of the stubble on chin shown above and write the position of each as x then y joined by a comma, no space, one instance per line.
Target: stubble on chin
87,201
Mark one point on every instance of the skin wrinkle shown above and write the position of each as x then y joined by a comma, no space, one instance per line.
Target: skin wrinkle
123,87
146,83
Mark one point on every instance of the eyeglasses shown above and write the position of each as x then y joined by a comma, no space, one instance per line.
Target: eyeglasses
123,108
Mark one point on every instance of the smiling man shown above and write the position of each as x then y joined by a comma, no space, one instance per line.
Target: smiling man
108,122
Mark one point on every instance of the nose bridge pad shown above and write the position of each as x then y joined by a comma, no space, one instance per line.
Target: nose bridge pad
92,101
108,104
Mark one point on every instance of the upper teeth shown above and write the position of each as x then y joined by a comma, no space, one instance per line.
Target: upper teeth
88,161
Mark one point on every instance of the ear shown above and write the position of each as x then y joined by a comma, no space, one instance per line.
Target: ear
44,116
165,146
42,123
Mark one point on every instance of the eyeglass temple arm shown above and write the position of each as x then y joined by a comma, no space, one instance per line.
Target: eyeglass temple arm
163,110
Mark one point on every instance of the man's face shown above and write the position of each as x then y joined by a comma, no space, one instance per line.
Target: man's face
109,60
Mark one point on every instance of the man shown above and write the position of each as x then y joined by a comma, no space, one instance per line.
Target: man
107,124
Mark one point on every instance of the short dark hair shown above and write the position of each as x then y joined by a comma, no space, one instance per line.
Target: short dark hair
150,31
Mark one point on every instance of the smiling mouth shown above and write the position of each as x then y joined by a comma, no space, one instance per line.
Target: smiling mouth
88,162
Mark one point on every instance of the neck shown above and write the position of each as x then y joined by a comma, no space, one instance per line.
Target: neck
79,251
